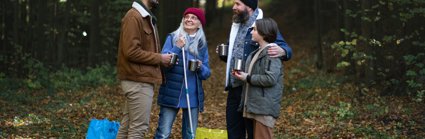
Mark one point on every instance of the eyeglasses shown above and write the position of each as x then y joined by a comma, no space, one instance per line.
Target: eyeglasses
191,17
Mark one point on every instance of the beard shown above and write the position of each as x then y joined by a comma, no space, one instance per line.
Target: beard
241,17
154,5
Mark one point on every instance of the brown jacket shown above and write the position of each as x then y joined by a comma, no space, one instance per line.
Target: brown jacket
139,56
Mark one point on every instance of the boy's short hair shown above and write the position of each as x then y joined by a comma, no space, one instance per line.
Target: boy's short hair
267,28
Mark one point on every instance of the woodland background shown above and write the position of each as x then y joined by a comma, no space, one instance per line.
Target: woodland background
357,69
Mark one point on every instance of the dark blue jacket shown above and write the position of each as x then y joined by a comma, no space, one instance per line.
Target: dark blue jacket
173,88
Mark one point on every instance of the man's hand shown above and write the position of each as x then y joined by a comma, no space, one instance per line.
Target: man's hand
216,49
276,51
166,59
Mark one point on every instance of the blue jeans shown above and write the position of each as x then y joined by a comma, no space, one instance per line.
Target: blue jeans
167,115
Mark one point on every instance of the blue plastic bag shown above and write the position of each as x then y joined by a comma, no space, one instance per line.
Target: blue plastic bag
102,129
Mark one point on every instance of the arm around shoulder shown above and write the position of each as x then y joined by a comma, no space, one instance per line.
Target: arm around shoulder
282,43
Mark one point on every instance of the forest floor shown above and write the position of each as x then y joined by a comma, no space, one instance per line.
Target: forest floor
316,104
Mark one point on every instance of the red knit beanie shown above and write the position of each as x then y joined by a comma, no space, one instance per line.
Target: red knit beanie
198,13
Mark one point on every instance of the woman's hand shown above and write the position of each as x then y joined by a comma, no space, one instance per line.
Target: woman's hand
180,42
199,64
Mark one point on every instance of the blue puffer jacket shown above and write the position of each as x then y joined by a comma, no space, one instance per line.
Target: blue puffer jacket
173,88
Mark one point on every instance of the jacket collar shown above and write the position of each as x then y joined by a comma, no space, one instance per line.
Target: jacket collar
144,11
141,9
259,16
263,52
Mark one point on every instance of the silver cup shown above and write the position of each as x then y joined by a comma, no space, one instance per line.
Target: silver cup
222,49
173,58
193,64
238,65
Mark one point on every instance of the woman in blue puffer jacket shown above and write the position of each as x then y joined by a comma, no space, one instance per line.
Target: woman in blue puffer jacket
172,96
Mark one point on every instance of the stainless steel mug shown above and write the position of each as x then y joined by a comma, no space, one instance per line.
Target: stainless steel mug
193,64
238,65
222,49
173,58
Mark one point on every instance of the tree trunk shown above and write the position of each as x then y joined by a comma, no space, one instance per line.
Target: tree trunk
39,17
63,31
94,33
195,3
221,13
15,38
170,15
211,10
3,24
319,49
367,68
3,39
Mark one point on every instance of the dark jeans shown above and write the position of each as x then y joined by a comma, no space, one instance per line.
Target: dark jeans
237,126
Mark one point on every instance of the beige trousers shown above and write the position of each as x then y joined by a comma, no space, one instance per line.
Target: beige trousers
137,109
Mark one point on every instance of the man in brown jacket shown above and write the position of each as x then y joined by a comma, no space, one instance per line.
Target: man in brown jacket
138,67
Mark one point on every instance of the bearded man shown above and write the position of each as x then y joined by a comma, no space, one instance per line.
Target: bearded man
245,13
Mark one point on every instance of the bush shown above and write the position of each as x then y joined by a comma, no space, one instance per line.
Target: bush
74,79
38,77
385,45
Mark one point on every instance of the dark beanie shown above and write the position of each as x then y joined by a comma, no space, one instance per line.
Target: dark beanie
198,13
251,3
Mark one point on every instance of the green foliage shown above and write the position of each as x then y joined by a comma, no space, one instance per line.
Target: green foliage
319,81
377,110
70,79
74,79
371,132
37,74
342,111
386,40
415,76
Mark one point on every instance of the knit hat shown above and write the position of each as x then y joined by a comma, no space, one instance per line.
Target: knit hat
251,3
198,13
